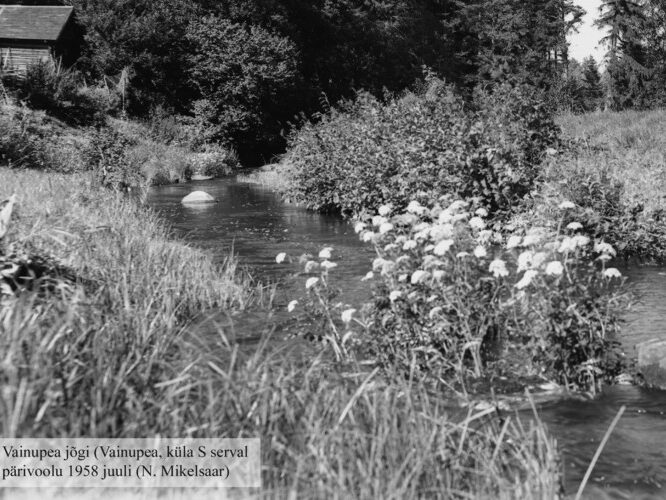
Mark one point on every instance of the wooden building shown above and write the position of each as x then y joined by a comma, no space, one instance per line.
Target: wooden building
33,34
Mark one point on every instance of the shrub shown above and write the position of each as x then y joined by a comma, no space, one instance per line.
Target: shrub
460,303
369,153
215,161
107,156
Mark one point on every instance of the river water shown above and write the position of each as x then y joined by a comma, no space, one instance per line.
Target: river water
253,222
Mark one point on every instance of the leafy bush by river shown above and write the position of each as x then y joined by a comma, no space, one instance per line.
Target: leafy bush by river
369,153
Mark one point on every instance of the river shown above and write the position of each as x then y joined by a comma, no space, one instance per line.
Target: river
253,222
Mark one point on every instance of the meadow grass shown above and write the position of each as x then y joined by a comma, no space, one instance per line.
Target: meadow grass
113,354
627,146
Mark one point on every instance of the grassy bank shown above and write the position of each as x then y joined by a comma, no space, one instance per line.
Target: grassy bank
122,153
613,171
100,346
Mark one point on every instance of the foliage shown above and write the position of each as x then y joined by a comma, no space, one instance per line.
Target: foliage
108,157
144,39
369,153
48,86
611,148
246,75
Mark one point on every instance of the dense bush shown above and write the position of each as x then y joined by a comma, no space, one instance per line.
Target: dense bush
458,302
370,153
50,87
108,156
20,146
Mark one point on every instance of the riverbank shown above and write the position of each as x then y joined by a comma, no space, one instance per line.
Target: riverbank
121,153
106,351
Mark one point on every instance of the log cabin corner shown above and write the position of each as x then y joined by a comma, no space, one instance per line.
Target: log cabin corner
36,34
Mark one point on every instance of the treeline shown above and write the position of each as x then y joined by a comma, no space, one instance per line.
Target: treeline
244,70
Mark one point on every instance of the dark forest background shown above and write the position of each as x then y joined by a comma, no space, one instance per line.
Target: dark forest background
246,70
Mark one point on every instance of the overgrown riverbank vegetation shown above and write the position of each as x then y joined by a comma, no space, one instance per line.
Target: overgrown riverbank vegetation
446,130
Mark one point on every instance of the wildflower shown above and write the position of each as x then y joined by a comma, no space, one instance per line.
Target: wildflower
438,274
484,236
419,276
292,305
482,212
384,210
513,242
325,253
611,272
480,252
459,217
395,295
347,315
477,223
378,220
385,227
311,266
327,264
402,258
498,268
566,204
580,240
415,207
368,276
445,216
604,248
567,245
442,247
311,282
574,226
358,227
461,255
554,268
279,258
367,236
402,278
429,248
538,259
390,247
409,245
388,266
530,239
441,231
525,260
377,263
527,278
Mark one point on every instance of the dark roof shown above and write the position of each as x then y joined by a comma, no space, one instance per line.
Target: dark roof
23,22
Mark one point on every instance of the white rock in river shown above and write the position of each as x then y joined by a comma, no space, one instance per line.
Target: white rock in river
198,197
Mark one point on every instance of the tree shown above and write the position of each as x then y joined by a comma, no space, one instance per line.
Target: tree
248,80
592,89
145,37
626,57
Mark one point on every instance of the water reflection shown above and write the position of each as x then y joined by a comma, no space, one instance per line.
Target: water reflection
255,223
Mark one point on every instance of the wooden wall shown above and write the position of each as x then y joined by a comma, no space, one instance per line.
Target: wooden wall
17,57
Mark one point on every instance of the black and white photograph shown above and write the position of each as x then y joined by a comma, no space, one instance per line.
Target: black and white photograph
333,249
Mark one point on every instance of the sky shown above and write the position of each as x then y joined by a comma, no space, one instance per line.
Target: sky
586,41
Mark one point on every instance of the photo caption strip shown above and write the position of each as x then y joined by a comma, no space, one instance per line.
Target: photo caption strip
130,463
